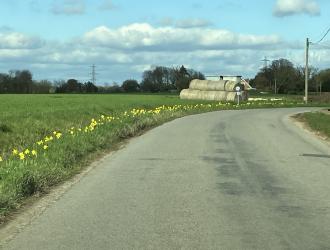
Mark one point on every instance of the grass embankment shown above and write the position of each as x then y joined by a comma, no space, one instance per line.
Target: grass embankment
45,139
317,121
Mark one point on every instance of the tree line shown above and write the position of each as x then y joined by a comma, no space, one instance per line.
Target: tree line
20,81
281,76
284,78
158,79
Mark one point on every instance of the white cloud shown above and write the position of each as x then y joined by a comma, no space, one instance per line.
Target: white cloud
293,7
68,7
125,52
15,40
167,21
143,36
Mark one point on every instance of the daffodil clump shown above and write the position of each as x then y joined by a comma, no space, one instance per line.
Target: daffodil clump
41,146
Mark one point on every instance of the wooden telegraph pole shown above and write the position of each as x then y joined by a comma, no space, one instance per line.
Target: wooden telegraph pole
306,71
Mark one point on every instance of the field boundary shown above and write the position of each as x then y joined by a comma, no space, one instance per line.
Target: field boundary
301,123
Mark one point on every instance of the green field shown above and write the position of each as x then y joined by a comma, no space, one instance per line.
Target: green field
317,121
23,118
45,139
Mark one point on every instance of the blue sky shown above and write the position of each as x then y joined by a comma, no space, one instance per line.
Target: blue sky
60,39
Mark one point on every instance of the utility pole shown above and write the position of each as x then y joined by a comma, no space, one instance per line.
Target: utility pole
93,74
306,71
265,62
275,86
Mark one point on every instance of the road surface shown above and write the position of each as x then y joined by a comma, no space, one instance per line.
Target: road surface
246,179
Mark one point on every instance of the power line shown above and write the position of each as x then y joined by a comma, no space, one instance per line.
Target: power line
326,33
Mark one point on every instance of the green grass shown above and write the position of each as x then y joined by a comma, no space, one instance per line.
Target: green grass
27,119
23,118
317,121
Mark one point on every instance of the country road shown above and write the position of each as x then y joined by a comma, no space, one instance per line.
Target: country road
247,179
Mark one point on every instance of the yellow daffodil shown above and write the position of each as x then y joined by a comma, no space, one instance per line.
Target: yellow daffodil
21,156
1,159
15,151
34,152
27,151
58,135
50,138
45,147
40,142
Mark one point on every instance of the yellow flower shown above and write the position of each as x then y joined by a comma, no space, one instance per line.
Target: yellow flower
47,139
1,159
34,152
21,156
71,132
27,151
45,147
54,133
40,142
58,135
15,151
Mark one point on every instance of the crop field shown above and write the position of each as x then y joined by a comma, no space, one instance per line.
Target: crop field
45,139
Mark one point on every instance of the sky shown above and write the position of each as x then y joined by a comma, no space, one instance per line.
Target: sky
62,39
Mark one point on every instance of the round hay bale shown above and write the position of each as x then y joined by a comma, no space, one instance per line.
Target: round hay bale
221,85
213,95
198,84
230,86
221,96
189,94
231,96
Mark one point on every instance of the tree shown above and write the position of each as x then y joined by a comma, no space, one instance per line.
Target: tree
282,74
184,76
89,87
71,86
41,87
24,79
149,82
4,83
18,81
323,80
130,86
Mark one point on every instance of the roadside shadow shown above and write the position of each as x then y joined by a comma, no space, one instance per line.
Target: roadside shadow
316,155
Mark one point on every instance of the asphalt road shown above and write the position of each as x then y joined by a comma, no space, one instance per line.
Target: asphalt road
224,180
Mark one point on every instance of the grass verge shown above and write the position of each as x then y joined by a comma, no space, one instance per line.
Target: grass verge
317,121
45,140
